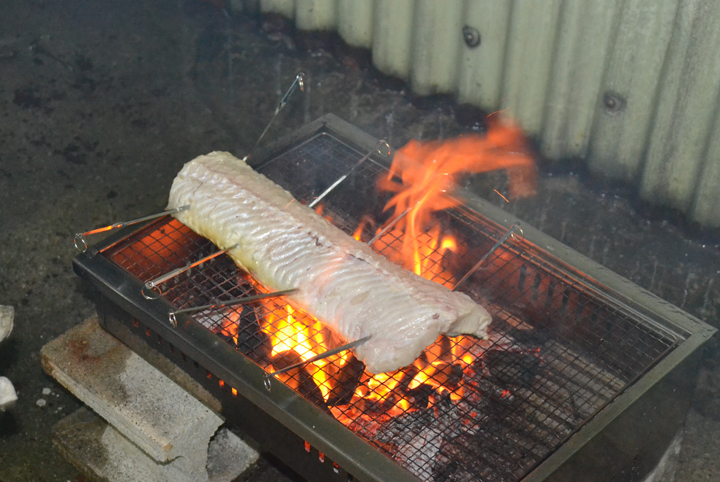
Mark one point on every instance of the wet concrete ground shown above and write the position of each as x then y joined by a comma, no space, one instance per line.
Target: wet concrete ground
102,102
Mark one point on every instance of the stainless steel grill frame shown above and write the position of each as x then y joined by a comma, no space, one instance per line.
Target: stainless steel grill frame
605,343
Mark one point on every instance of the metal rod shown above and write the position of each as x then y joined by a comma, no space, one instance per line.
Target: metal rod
326,354
389,226
487,255
239,301
343,177
299,82
397,219
328,190
80,237
152,285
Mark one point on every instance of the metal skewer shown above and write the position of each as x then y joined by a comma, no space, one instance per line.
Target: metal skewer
299,82
389,226
239,301
80,237
152,286
343,177
487,255
397,219
326,354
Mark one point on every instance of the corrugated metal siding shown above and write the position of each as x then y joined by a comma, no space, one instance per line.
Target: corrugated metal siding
630,85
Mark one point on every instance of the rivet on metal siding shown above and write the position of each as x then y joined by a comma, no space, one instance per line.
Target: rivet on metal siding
614,102
471,36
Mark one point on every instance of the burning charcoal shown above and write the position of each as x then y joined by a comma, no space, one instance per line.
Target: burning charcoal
370,406
227,339
419,396
477,458
513,367
403,429
239,327
446,471
254,343
409,373
444,374
298,379
285,359
445,350
442,403
227,287
345,382
536,334
420,452
417,439
454,375
309,389
251,339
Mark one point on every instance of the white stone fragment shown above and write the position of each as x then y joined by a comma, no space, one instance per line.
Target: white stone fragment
41,402
7,394
7,314
46,391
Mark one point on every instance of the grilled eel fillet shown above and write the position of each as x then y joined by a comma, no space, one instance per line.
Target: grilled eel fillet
341,281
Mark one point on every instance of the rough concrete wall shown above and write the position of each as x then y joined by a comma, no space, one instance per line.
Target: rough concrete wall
630,85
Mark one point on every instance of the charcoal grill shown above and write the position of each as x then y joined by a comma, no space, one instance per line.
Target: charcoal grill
585,377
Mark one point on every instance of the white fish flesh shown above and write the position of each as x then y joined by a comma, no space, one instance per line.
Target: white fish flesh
342,282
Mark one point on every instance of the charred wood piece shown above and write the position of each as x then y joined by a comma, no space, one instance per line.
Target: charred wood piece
299,378
345,382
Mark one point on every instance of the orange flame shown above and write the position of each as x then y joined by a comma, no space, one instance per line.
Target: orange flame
302,334
230,325
320,209
365,221
428,169
376,397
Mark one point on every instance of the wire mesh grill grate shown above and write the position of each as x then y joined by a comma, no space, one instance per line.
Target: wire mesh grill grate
467,409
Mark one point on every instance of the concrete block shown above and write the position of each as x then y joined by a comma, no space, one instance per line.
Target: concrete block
167,367
102,454
228,456
134,397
